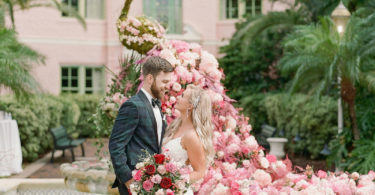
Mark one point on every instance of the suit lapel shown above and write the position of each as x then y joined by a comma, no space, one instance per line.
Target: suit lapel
151,113
164,126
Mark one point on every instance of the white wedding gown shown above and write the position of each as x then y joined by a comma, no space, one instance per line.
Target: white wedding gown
177,154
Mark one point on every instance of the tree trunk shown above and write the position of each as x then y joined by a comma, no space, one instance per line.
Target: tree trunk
348,95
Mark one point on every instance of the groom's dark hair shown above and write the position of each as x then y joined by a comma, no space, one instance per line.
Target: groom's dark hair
154,65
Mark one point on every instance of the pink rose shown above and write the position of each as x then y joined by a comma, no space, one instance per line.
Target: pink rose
262,177
161,169
170,192
195,47
159,192
231,123
233,148
138,175
271,158
170,167
176,87
156,179
246,163
116,97
147,185
322,174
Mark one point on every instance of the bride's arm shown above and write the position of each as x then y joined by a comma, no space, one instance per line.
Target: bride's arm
196,156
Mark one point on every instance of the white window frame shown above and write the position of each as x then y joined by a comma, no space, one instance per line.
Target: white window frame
241,9
83,11
81,76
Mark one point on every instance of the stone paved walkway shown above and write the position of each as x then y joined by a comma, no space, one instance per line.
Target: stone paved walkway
52,170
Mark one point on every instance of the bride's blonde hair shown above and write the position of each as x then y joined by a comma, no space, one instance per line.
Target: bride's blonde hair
202,120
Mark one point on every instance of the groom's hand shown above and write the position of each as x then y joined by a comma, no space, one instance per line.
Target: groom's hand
127,184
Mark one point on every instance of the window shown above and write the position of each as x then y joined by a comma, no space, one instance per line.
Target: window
233,9
92,9
82,79
167,12
253,7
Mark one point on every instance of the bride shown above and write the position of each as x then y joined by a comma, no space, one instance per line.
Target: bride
189,137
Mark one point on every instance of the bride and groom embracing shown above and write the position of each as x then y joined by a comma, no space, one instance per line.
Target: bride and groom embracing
140,125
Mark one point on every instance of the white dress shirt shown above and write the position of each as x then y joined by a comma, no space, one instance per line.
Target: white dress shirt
157,114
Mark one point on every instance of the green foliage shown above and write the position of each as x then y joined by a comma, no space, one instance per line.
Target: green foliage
314,121
87,106
362,158
251,72
41,113
70,115
124,85
33,119
253,106
15,60
349,156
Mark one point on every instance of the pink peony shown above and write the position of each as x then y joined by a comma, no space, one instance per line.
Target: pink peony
147,185
262,177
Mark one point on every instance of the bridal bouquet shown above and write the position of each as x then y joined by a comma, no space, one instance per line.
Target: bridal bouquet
159,175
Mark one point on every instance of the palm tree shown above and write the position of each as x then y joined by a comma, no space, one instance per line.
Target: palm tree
15,64
317,55
301,12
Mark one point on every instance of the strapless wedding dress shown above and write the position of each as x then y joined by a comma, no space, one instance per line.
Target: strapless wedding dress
178,154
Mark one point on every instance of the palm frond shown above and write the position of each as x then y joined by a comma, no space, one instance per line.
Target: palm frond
16,62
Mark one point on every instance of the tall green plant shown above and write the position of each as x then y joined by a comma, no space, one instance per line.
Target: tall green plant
15,64
318,55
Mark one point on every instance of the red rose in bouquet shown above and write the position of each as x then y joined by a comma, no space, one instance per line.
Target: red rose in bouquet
150,169
159,158
166,183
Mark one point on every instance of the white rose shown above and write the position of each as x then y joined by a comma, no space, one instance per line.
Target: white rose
139,165
176,87
172,99
220,154
264,162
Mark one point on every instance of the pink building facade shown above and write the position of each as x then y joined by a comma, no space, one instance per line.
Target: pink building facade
77,59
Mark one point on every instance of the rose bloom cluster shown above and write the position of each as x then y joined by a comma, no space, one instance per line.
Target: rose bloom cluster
139,33
159,175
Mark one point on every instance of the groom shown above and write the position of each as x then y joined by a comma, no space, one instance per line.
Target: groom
139,124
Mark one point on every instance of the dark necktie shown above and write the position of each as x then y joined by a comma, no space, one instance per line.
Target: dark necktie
156,102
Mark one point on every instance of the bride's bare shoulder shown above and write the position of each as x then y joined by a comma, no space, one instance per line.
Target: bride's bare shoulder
190,138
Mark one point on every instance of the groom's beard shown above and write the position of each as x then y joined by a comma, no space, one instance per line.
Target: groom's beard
157,93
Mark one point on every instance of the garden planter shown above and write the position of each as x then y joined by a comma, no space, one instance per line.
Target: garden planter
277,146
91,177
